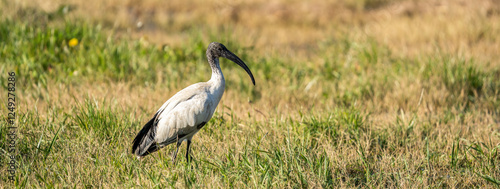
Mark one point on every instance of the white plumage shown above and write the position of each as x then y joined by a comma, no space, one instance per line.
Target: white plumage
185,113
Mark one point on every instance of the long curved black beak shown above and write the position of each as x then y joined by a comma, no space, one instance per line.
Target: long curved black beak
229,55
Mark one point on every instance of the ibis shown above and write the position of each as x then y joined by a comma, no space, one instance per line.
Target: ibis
185,113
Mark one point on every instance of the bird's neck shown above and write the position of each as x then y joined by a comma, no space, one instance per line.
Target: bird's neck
217,77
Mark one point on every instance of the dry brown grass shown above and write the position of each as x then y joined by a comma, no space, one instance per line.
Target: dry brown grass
408,27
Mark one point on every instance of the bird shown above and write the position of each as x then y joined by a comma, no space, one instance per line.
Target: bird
186,112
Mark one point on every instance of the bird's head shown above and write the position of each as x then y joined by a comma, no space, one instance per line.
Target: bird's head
217,50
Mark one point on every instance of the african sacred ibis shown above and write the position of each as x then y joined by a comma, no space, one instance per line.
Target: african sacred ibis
183,115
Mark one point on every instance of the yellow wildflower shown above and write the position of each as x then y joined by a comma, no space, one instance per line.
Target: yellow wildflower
73,42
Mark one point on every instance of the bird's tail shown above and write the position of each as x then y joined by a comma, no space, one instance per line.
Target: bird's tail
144,142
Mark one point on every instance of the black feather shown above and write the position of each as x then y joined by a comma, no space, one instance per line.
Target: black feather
144,141
201,125
151,149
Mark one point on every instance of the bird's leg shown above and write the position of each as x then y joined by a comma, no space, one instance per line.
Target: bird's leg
174,155
187,150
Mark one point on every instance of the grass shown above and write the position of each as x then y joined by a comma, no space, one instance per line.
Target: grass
345,106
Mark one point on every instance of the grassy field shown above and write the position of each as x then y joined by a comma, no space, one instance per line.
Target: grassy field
349,93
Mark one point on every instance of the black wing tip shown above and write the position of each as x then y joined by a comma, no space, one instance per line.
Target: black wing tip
136,144
151,149
141,136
